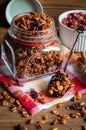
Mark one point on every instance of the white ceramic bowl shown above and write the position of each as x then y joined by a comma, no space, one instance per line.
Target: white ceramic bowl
68,35
15,7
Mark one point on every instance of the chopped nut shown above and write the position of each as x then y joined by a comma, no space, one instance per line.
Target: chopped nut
50,92
59,105
17,102
60,87
26,99
66,116
56,121
78,95
84,127
82,103
45,117
42,100
41,122
63,121
6,95
5,103
31,121
11,100
14,109
25,113
56,128
75,115
74,98
55,112
72,129
1,97
83,112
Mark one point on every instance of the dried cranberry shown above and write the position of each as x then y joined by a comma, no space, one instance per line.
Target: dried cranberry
33,94
77,106
75,19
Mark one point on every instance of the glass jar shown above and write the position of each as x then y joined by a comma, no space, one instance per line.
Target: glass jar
35,48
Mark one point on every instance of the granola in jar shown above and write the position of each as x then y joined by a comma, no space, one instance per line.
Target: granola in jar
37,49
59,84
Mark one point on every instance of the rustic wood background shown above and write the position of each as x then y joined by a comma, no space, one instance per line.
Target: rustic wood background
53,8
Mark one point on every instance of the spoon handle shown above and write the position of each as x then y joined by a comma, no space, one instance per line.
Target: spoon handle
79,30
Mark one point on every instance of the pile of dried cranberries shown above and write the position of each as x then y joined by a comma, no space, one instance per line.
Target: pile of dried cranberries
75,19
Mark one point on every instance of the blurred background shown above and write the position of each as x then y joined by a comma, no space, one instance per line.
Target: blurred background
53,8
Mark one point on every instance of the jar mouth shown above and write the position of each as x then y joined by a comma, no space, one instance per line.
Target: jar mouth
22,30
30,36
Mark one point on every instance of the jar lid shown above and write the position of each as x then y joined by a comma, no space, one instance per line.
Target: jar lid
15,7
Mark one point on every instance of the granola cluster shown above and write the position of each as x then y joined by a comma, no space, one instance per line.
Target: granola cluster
43,63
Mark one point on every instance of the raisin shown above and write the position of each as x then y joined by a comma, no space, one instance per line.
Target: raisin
37,60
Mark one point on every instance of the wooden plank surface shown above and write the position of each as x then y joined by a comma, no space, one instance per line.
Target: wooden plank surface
9,119
53,8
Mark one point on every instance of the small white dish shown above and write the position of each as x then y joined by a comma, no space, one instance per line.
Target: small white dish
15,7
68,35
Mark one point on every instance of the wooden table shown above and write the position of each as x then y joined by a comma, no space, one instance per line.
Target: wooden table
9,119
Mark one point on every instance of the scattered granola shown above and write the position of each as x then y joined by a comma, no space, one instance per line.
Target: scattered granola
59,119
6,99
